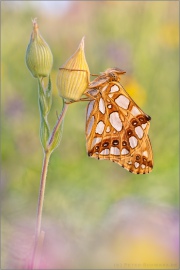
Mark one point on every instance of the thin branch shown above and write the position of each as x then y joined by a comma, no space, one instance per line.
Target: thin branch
47,154
40,205
58,123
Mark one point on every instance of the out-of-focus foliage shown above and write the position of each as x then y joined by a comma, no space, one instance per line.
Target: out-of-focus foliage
89,217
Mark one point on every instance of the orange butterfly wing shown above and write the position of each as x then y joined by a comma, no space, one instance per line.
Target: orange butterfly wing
117,129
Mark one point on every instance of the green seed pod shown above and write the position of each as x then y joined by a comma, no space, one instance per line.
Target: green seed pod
39,58
73,77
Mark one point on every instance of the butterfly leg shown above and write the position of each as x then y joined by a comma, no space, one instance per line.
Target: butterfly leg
81,99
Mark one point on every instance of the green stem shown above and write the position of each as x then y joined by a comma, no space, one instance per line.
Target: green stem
58,123
40,205
41,191
46,159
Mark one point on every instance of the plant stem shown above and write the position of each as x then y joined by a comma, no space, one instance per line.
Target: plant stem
40,204
58,123
46,159
41,191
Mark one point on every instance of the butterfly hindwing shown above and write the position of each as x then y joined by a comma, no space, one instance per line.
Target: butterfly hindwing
117,129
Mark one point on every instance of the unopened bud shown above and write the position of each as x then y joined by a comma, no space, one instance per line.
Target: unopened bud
39,58
73,77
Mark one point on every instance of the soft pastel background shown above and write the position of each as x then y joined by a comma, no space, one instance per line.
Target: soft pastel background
96,214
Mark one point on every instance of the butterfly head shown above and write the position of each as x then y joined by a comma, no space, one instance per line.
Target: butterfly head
114,74
110,74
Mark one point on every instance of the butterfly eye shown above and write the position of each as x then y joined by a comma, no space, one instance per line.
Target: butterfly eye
112,75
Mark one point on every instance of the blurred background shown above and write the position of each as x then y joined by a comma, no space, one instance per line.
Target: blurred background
96,214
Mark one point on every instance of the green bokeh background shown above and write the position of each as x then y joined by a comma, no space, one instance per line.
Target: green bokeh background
141,37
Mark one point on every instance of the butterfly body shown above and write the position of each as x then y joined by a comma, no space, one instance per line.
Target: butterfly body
116,128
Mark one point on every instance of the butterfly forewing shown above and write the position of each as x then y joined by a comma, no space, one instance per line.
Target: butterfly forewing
116,129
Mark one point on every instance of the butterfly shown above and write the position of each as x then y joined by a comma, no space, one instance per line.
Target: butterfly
116,128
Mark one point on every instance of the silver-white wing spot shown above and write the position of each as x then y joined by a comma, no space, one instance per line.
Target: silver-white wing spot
122,101
105,152
101,106
139,132
100,127
135,111
108,129
115,151
136,164
144,125
114,88
109,106
89,109
143,166
91,122
124,151
115,121
95,141
104,88
145,153
133,141
129,162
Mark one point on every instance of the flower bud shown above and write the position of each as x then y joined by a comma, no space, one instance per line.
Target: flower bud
73,77
39,58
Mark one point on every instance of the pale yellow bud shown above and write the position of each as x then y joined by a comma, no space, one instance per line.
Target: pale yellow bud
73,77
39,58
